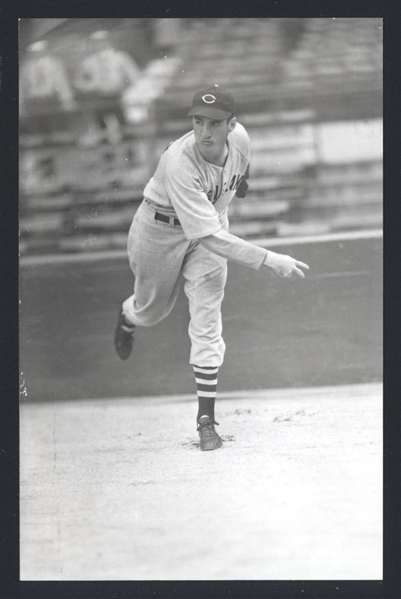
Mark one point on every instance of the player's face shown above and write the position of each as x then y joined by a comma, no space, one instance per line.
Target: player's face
211,136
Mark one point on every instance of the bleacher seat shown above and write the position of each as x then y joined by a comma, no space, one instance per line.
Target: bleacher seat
329,69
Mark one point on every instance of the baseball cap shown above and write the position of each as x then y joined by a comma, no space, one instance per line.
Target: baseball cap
213,102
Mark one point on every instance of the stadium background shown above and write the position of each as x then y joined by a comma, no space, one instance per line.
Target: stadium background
309,92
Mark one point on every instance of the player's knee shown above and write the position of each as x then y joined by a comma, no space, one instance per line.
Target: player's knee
152,317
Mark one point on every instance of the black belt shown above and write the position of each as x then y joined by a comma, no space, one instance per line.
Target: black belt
167,219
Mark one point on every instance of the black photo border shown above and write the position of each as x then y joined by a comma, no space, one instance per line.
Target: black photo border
11,587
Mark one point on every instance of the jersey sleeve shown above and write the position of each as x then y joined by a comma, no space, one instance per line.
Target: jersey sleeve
235,249
197,215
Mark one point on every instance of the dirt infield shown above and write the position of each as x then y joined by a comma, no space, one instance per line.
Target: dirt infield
119,490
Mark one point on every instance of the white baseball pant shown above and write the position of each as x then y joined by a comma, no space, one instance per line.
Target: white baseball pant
158,253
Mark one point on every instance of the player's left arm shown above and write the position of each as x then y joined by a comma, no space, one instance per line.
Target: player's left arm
242,143
243,186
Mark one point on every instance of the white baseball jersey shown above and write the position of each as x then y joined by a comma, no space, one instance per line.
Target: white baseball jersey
197,192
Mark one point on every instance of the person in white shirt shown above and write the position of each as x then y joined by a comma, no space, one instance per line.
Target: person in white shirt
181,228
43,78
99,81
106,71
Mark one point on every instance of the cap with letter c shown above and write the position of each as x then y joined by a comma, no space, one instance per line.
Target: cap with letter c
213,102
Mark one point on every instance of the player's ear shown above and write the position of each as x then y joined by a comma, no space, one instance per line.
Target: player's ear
232,123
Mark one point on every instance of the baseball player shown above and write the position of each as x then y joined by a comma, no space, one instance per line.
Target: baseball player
181,227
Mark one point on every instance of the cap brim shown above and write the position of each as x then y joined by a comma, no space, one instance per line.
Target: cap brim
209,112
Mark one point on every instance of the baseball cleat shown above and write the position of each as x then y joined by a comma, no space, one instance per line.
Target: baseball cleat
123,337
209,439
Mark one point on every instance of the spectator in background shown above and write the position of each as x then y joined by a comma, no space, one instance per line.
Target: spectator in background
106,71
43,79
100,80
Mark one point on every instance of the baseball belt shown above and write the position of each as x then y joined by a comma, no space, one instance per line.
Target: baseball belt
167,219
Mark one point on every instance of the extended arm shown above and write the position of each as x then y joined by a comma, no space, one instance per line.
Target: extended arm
235,249
238,250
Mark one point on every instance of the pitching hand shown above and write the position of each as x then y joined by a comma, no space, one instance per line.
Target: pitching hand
285,266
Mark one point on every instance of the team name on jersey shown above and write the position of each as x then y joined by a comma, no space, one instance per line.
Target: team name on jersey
214,194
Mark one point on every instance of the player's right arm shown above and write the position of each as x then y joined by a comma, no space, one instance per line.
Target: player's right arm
183,185
238,250
285,266
200,221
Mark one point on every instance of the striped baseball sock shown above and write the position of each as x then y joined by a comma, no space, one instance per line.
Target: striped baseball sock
206,387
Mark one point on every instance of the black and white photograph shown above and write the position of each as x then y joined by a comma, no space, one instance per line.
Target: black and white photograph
200,299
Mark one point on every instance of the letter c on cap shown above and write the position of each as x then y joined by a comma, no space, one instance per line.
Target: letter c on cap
206,99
